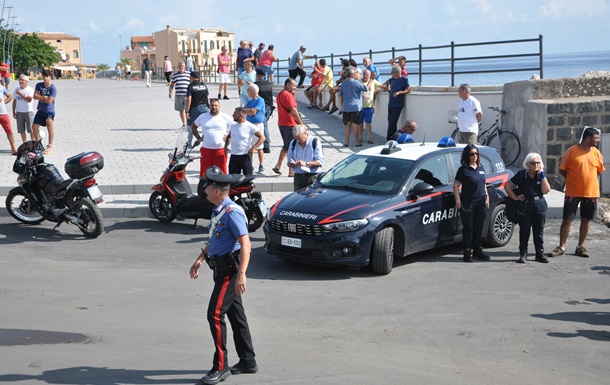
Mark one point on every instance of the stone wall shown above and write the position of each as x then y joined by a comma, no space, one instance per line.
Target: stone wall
549,115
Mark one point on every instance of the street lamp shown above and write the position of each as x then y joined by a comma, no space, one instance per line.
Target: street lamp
5,31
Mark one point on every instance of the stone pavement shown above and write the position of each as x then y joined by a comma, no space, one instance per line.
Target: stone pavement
135,127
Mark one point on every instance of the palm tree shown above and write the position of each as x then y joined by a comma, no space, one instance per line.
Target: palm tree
127,60
102,67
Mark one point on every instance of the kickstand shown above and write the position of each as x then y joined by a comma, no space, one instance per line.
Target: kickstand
53,229
195,224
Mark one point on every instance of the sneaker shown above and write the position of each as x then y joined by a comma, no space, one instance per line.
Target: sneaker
266,150
225,97
261,169
557,252
581,251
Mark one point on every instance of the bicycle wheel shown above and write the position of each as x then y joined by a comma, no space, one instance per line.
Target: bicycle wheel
455,135
507,144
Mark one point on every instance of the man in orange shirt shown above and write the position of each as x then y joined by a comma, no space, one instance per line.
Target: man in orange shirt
581,166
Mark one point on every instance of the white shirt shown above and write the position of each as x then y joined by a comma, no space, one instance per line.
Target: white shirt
467,115
241,137
4,92
22,105
214,129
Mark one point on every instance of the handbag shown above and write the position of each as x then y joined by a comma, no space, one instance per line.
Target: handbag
515,210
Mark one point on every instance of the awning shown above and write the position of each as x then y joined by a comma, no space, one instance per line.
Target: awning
66,68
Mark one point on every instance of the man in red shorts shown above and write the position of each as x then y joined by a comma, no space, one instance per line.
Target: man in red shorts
581,166
215,127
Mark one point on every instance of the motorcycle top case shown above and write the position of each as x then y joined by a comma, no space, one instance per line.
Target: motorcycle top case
84,164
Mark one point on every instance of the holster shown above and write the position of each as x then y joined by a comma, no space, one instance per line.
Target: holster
225,264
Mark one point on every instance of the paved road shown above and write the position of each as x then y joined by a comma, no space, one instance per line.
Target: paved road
433,320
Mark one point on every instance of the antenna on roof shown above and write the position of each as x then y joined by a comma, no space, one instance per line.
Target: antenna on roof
423,143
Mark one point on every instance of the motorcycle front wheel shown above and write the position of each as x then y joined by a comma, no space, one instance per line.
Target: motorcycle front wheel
22,209
162,207
89,218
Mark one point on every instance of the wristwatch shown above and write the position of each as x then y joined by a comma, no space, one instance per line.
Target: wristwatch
306,164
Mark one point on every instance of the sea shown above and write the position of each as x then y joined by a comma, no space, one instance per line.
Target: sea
561,65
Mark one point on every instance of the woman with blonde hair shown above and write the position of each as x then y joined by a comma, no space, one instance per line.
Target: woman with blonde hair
532,185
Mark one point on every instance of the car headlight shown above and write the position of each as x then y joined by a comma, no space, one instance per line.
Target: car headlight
346,225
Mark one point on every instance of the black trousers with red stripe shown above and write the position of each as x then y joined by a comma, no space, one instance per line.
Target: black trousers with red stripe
225,300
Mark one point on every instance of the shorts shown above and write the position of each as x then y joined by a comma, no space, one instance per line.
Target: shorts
588,207
311,89
261,128
223,77
266,69
5,122
42,117
24,122
367,115
324,87
287,136
7,80
351,117
179,102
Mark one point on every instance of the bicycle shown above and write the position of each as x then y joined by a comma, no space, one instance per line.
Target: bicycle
505,142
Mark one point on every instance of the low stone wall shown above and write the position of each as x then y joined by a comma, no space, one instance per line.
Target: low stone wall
549,115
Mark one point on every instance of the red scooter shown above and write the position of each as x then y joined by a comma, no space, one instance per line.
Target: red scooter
173,196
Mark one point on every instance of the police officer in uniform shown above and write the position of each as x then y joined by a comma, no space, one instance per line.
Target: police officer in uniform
196,100
227,253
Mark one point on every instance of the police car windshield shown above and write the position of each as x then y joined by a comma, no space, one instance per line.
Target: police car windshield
375,175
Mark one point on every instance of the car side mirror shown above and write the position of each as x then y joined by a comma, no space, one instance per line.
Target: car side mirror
422,188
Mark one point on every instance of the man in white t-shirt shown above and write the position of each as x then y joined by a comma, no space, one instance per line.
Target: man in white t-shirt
469,115
23,107
241,137
215,127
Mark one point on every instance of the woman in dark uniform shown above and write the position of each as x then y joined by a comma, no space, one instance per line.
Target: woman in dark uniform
532,185
473,202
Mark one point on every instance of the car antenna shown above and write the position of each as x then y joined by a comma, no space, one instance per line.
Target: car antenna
424,141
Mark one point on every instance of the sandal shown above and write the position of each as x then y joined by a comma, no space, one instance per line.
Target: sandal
277,171
370,142
359,145
345,144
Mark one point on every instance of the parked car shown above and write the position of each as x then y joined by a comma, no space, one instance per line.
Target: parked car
381,203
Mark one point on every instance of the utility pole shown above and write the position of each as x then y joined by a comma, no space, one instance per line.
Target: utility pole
5,31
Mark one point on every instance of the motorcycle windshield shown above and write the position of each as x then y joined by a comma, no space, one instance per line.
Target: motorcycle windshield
182,141
28,146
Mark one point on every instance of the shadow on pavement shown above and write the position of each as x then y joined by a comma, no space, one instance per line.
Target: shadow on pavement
106,376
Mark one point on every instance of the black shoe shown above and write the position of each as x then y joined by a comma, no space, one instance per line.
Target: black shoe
467,255
219,96
266,150
225,97
300,86
522,258
540,257
241,368
480,255
215,376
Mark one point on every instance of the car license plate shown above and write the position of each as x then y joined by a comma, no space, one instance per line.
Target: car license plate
291,242
263,208
95,193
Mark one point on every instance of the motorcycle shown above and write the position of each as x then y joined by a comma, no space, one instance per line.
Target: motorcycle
43,194
173,196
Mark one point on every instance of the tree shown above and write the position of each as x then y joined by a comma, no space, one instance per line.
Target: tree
127,60
102,67
31,51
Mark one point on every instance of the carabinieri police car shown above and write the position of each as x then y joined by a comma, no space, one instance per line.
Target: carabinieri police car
381,203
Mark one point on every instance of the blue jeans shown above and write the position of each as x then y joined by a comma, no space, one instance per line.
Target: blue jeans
393,116
194,113
534,219
473,216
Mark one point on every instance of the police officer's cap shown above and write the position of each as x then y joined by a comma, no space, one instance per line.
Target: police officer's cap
214,176
195,75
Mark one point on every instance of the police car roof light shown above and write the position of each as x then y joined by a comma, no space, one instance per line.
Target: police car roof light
405,138
390,147
446,141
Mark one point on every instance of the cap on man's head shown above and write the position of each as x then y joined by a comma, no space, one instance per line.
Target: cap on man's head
260,72
303,47
24,77
215,177
195,74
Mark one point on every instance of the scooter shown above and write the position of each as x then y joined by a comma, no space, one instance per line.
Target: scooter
43,194
173,196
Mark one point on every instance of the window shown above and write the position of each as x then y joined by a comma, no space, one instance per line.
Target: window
75,54
211,44
205,46
486,163
434,172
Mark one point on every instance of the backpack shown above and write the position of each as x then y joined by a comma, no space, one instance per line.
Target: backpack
314,144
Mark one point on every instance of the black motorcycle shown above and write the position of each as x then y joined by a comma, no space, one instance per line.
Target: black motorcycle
173,196
43,194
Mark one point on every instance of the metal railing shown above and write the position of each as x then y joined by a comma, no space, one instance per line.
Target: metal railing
451,60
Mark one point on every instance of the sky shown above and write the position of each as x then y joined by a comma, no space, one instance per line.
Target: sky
331,27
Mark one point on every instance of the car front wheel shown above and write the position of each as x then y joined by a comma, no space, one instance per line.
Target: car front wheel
500,228
382,253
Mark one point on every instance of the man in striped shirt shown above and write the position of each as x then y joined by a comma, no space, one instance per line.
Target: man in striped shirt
180,81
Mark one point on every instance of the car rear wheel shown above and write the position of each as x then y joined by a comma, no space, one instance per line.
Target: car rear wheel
500,228
382,252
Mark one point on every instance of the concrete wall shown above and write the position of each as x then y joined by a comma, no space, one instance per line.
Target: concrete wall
430,107
549,115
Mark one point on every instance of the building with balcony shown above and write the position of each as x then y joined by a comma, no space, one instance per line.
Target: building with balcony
139,47
69,50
